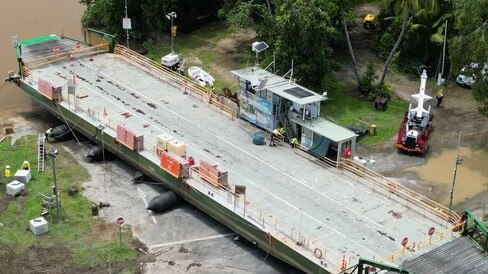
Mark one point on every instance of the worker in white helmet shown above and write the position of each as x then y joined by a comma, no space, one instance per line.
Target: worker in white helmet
8,174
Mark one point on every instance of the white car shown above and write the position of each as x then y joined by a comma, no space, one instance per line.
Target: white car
467,75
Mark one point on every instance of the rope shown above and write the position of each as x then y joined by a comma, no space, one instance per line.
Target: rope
268,236
66,121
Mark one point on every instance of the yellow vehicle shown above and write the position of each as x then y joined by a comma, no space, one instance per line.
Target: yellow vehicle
369,21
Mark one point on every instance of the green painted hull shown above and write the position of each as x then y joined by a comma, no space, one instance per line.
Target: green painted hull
204,203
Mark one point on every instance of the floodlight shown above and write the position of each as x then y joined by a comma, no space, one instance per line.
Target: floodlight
171,15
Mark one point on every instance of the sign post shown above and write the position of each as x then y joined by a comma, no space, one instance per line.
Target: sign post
120,222
126,24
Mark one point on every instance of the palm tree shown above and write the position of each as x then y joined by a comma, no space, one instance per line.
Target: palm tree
345,7
351,51
406,10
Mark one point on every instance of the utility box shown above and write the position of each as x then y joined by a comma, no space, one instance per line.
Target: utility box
38,226
14,188
23,176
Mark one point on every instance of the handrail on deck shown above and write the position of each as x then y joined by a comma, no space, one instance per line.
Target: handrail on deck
183,82
325,161
435,238
423,202
55,57
278,228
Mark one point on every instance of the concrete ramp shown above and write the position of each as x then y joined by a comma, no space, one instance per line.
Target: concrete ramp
460,255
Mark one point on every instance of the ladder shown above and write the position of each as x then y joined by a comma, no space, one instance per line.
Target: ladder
41,152
289,133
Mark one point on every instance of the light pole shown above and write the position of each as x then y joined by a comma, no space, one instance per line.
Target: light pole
126,24
53,154
457,162
171,16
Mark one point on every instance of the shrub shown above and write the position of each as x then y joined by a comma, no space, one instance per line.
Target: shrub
366,81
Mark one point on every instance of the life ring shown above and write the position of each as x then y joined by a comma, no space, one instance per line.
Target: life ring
317,253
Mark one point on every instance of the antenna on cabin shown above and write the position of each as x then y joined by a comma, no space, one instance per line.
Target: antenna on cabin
272,64
289,72
257,47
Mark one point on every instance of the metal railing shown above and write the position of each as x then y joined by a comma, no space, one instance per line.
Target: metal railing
297,237
68,55
475,229
181,82
378,180
326,162
434,239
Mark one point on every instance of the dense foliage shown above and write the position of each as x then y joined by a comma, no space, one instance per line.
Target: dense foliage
410,15
147,16
422,42
296,30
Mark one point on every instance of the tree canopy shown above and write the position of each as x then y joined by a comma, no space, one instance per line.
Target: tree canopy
296,30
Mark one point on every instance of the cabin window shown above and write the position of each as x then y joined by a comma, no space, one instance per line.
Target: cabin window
249,87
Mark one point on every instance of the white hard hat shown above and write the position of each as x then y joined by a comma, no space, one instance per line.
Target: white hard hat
7,166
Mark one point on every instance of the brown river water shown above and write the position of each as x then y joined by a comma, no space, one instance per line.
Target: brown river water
27,19
30,18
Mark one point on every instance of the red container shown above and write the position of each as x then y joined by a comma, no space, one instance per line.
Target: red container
212,174
121,132
174,164
130,139
48,90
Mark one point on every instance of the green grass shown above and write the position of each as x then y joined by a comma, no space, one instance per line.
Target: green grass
345,107
201,43
198,43
75,232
